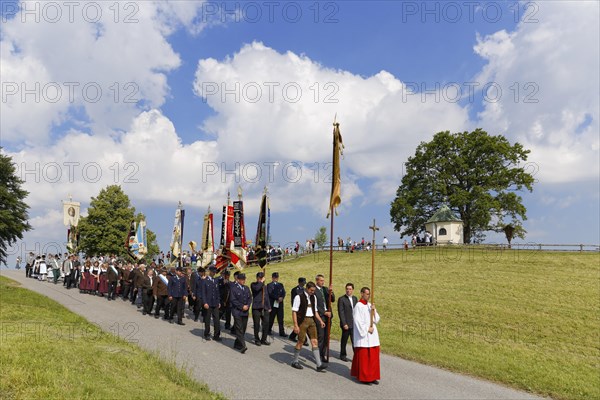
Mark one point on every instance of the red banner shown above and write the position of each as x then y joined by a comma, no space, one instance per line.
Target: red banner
229,236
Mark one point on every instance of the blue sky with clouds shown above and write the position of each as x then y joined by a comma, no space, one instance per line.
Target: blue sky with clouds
164,129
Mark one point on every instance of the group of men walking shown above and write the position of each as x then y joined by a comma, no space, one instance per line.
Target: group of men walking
157,288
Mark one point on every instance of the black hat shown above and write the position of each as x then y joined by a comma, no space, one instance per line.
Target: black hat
241,276
178,269
225,272
275,275
212,268
301,280
260,274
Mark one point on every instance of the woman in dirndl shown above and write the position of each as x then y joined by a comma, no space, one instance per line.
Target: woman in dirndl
103,282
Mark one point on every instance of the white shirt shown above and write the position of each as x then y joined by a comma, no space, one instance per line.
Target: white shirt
296,305
362,321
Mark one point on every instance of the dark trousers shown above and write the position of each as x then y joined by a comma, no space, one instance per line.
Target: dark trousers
72,280
56,273
134,294
260,318
28,270
197,308
112,290
225,312
67,280
177,306
277,312
214,313
322,336
126,290
147,300
345,335
162,302
240,324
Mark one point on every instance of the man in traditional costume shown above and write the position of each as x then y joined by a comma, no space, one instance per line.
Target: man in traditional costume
306,318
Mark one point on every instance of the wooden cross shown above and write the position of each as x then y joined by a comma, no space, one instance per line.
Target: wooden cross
374,228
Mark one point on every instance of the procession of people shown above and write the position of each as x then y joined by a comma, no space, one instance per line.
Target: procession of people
167,291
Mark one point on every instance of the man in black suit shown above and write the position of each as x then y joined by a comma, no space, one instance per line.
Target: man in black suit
322,295
296,291
276,295
345,307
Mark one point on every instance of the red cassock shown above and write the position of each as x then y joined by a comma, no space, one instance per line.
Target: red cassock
365,364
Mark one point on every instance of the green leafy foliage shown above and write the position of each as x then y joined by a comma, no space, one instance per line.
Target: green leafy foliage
476,174
104,229
13,209
321,237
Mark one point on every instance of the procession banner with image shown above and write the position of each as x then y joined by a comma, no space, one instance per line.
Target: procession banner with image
71,213
208,245
140,246
176,235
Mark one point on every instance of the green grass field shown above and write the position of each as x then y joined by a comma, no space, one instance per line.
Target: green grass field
48,352
528,319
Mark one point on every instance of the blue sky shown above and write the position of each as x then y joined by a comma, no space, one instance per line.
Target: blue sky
374,53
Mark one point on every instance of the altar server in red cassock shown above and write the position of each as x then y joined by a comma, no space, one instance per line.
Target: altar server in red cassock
365,364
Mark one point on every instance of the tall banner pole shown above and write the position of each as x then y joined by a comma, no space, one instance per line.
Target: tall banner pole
330,282
334,201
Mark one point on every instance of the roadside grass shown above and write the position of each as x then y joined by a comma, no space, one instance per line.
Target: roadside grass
48,352
525,318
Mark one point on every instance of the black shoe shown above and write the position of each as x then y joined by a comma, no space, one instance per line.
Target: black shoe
257,342
243,350
283,335
207,338
181,323
144,313
217,339
265,343
297,365
344,358
228,327
156,316
324,359
322,368
232,331
294,340
375,382
306,342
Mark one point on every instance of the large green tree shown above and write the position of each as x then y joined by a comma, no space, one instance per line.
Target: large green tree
104,229
107,223
476,174
13,209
